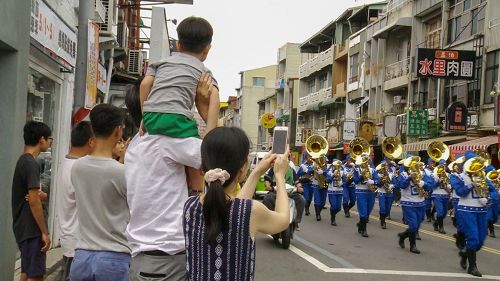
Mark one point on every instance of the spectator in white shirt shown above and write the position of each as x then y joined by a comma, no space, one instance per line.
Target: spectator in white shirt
82,144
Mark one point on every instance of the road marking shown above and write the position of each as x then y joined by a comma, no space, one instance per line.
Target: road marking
438,235
326,253
321,266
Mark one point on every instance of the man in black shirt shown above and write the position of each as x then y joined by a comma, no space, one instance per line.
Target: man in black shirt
29,225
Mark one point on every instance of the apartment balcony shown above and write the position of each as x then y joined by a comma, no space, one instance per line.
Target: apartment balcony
326,58
397,75
314,97
303,70
341,50
433,40
303,103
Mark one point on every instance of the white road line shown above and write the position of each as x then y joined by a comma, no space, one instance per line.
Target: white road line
321,266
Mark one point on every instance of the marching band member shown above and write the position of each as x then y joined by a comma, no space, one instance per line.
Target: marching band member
441,195
306,177
473,190
494,202
366,179
385,191
333,175
349,190
319,192
415,186
428,201
455,170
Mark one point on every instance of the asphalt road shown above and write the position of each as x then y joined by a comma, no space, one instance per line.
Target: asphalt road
320,251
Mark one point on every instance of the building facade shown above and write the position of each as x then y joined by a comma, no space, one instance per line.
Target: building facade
256,85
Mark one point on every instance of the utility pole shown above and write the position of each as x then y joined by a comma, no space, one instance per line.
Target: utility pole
85,13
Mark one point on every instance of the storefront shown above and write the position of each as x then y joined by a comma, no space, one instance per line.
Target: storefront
50,94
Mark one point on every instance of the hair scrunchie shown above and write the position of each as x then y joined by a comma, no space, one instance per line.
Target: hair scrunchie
216,174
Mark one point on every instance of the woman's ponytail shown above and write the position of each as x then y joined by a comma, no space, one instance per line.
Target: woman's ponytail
215,212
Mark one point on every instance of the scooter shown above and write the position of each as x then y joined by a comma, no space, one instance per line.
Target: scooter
287,234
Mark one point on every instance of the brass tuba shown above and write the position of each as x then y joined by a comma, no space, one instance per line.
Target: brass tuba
493,177
475,168
357,147
385,179
438,151
483,154
392,147
317,147
415,166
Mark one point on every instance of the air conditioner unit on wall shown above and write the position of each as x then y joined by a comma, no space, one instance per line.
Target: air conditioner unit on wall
122,35
135,62
111,16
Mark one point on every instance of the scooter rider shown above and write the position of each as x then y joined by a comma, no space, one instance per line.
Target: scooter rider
270,198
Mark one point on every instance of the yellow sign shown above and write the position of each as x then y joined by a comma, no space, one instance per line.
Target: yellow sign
268,120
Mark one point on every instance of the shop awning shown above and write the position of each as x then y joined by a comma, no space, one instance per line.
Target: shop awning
422,145
481,143
405,22
329,101
313,107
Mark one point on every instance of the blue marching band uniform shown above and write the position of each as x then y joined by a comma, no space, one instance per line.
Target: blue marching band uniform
412,202
334,178
386,194
348,185
349,190
365,196
311,187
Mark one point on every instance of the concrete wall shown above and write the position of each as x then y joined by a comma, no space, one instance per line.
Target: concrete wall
250,95
14,49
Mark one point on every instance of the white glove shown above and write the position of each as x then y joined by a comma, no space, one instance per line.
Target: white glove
391,186
421,184
369,181
319,171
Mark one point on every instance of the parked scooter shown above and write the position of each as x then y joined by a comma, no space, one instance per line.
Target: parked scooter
287,234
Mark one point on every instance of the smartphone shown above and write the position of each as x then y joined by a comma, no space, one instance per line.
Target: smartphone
280,140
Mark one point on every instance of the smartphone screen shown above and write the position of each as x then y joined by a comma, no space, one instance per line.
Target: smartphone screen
280,141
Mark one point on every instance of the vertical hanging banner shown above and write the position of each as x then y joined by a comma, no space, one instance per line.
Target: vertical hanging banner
446,64
92,65
456,117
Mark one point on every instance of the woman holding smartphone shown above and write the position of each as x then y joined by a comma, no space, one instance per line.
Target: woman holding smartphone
220,229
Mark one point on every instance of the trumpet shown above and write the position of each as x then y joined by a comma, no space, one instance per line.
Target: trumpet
475,168
385,179
317,147
493,177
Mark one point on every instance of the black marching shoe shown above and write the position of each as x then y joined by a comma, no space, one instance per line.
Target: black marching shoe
463,259
359,226
332,218
308,203
491,228
402,236
318,209
347,214
413,244
428,215
382,221
363,228
471,256
417,236
436,225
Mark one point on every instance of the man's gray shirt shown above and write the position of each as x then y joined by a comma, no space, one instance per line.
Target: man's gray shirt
101,204
174,86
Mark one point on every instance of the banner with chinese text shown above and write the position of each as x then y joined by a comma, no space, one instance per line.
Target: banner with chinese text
92,65
417,122
447,64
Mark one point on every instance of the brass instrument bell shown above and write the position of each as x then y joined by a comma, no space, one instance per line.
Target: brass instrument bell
316,146
392,147
483,154
438,150
359,146
474,165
